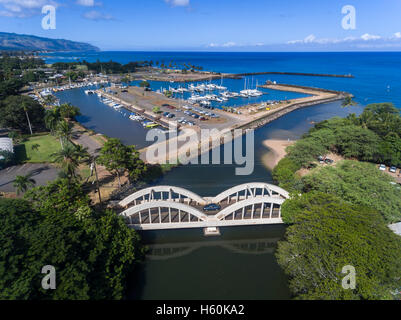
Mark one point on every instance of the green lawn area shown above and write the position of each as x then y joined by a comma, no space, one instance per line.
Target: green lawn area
46,146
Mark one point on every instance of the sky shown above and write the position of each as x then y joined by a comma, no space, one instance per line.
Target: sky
214,25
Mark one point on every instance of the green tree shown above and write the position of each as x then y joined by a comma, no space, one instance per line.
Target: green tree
328,234
156,110
144,84
348,102
284,174
23,183
68,111
358,183
18,222
21,113
70,157
64,132
10,87
93,255
52,119
118,159
357,142
61,195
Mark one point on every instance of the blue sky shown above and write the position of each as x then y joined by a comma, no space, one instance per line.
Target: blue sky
222,25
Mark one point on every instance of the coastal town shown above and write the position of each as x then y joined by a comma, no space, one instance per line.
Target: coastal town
143,166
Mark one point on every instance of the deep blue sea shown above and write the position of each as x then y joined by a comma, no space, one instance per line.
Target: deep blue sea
377,74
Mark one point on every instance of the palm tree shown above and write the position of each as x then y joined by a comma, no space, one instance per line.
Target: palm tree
64,132
27,117
348,102
68,111
70,157
22,183
52,118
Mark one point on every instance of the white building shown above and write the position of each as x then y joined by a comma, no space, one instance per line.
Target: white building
6,144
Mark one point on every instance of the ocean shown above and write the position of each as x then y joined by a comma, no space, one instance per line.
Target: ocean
377,74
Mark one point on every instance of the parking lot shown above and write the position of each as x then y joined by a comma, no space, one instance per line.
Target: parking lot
41,173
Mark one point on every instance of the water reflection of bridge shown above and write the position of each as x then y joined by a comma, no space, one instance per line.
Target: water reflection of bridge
168,207
177,250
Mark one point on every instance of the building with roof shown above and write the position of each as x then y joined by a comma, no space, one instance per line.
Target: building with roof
6,144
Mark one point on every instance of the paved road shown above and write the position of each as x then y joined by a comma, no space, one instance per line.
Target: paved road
41,173
85,140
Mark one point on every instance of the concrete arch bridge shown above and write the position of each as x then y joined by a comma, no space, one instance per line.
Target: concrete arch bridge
169,207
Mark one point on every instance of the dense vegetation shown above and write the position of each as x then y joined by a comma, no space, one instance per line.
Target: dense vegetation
358,183
21,112
338,214
327,234
374,136
102,67
92,252
112,67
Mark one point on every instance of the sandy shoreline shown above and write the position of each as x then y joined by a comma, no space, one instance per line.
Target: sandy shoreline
276,151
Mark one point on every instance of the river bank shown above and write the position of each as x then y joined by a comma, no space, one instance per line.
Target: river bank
277,151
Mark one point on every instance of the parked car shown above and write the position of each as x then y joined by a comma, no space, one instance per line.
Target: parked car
166,105
171,115
211,207
382,167
328,161
165,114
393,169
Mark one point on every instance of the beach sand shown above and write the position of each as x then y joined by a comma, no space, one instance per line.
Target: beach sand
276,152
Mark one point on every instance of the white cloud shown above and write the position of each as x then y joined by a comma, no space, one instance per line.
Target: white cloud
310,38
229,44
23,8
86,3
224,45
367,37
178,3
397,35
97,16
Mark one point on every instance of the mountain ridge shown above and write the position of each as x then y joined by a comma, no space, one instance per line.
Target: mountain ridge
25,42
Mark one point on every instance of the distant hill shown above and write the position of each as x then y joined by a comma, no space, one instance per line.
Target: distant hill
23,42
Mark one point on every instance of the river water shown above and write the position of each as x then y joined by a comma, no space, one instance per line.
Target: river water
183,264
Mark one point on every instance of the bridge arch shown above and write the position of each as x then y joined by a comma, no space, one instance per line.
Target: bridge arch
272,204
163,214
250,190
162,193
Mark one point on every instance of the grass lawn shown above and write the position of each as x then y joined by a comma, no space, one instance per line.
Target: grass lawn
37,149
